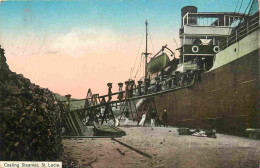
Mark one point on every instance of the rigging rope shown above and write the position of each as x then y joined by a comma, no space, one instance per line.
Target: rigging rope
240,6
151,39
132,69
236,5
237,12
251,1
139,66
246,8
143,66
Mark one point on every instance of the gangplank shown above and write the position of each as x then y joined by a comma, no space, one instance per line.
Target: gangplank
99,110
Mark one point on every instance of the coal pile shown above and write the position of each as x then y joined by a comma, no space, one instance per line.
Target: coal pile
30,122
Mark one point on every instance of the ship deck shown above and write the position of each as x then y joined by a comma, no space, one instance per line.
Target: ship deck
167,148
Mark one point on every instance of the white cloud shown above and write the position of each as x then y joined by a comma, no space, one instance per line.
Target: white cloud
79,42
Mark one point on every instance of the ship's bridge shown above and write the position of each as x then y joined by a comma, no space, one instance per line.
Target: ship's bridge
209,24
200,34
207,28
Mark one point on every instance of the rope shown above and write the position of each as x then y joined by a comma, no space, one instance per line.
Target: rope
236,5
237,11
132,69
240,6
140,64
143,66
246,8
251,1
151,39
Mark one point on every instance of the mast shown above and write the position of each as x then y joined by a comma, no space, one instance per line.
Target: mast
146,54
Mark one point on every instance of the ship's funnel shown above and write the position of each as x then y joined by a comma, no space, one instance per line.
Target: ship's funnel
190,9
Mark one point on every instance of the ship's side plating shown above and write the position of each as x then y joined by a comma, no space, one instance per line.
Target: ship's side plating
227,97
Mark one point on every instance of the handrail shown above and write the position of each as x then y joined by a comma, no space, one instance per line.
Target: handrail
245,29
136,98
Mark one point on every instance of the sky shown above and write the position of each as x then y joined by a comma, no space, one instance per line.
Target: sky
71,46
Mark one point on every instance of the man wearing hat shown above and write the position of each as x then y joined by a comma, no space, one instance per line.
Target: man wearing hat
109,91
126,117
131,92
139,88
164,118
152,116
120,94
143,119
126,89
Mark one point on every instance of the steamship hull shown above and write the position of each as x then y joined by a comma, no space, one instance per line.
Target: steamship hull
227,98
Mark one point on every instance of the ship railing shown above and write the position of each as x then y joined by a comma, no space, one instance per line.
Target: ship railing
240,32
182,80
